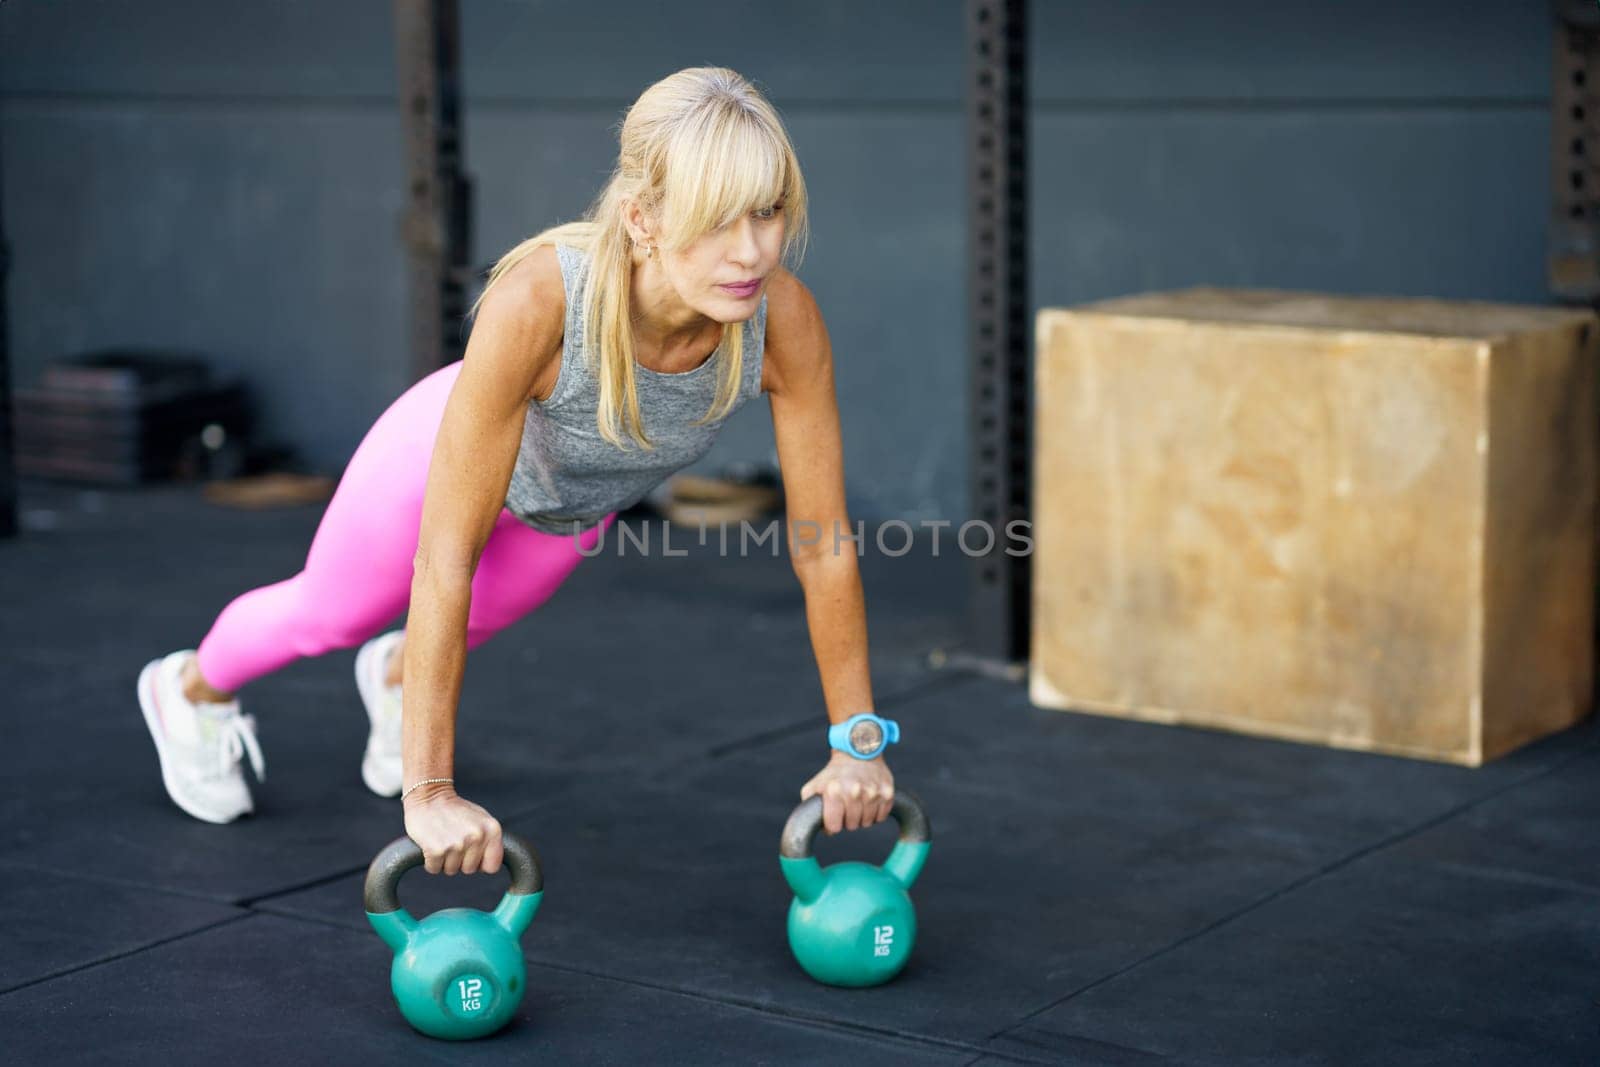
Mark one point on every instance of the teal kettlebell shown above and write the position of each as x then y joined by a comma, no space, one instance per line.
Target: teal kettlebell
853,924
457,974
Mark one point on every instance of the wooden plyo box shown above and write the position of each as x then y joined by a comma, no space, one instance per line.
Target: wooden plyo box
1360,522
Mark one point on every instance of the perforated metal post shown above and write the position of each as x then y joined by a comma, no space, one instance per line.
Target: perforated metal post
1574,251
1574,255
437,220
999,422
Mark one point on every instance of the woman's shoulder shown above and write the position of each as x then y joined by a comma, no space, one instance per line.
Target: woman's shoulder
796,337
534,287
791,309
529,302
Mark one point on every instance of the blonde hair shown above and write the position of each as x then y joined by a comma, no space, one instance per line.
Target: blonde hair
697,150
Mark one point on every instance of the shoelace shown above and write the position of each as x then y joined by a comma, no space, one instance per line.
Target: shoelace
235,735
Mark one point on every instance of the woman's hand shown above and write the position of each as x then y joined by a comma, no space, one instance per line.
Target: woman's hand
455,834
855,792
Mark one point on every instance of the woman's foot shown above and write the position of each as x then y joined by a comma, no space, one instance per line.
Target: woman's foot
377,680
199,744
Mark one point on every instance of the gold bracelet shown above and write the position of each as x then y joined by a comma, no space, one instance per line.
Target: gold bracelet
425,781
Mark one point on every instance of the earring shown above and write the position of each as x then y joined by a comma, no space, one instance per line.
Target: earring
650,252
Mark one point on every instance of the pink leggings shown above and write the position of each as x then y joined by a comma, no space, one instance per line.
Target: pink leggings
357,575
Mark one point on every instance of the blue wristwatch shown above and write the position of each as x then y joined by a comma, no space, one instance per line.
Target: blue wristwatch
864,736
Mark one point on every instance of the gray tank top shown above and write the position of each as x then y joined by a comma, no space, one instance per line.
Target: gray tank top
567,476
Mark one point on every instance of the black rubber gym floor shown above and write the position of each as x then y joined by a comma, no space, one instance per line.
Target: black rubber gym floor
1098,891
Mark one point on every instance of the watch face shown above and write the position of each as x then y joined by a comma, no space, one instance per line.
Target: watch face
866,737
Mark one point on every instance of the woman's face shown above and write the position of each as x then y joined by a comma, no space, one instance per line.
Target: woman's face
708,273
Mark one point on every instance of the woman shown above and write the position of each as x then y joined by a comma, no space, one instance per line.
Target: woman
605,354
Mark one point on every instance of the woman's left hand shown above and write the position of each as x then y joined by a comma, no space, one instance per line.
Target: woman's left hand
855,793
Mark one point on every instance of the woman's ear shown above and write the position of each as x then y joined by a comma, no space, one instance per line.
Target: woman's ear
638,225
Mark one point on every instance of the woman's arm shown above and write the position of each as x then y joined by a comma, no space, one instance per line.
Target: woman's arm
515,343
798,376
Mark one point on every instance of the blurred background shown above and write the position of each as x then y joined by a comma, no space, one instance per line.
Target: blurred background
230,179
236,232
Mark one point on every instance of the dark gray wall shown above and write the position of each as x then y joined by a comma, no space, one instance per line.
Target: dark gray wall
227,176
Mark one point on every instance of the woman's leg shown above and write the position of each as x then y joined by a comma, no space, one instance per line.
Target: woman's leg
519,569
357,574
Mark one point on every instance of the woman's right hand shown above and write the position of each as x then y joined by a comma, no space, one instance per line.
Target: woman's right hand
456,836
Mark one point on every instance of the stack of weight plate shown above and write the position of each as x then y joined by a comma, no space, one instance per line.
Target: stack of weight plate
125,417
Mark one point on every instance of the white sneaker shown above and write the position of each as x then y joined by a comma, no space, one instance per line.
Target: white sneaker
200,745
380,766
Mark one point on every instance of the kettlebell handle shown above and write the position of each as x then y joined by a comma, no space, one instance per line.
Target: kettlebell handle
400,855
800,832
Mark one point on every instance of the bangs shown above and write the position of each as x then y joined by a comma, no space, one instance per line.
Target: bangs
722,167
